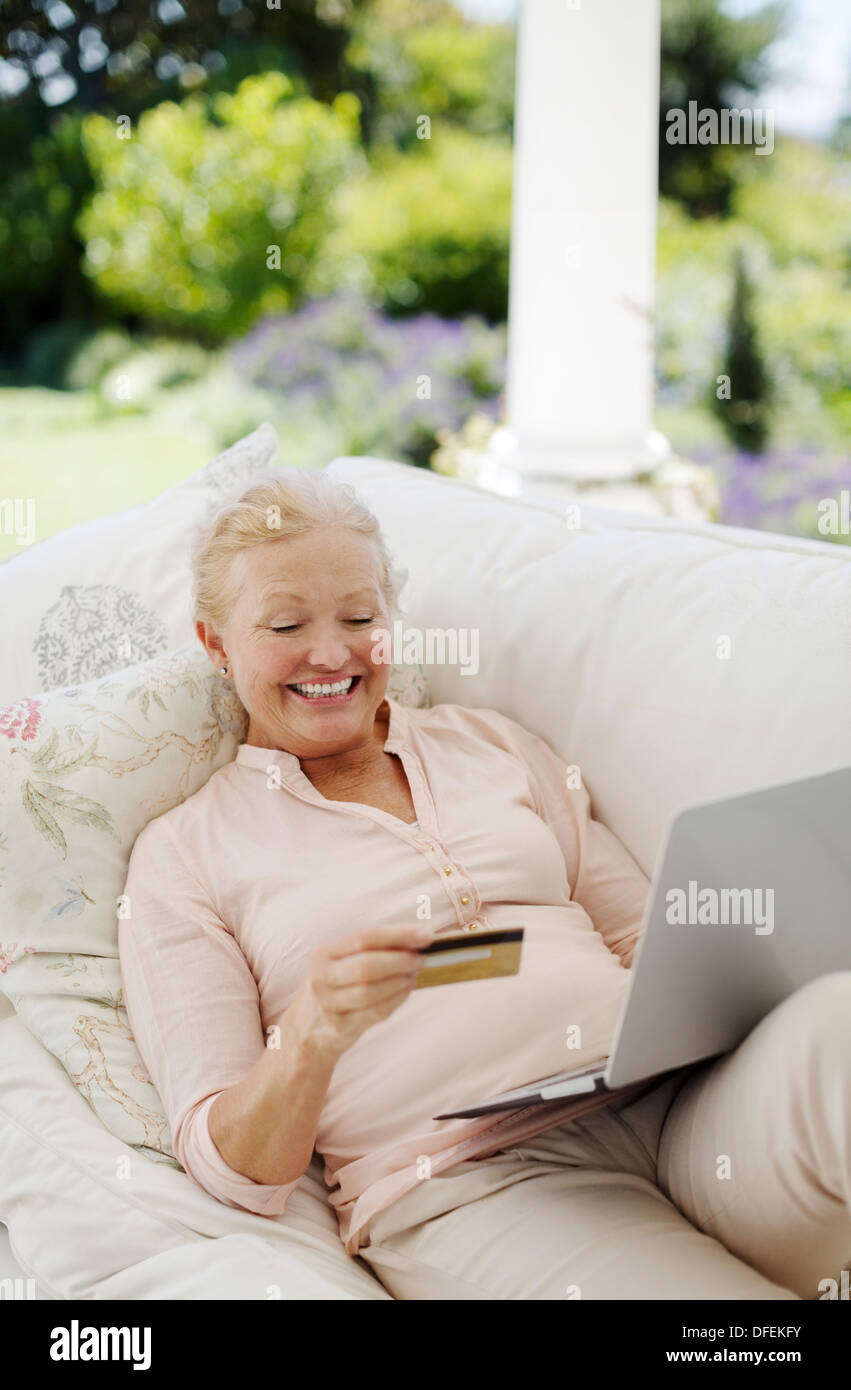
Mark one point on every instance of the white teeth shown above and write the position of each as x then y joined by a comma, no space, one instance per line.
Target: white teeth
338,688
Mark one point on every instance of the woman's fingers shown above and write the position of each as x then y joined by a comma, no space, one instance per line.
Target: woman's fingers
372,970
407,937
354,998
370,967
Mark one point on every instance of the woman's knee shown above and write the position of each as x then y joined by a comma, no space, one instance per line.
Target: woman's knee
821,1008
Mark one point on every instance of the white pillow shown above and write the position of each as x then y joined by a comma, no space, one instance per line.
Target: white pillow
82,771
113,592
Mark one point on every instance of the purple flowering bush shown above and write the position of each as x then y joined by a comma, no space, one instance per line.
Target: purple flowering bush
389,384
779,491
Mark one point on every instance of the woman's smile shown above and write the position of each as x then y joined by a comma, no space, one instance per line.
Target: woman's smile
326,692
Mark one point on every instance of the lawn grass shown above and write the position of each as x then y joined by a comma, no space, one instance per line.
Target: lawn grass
77,465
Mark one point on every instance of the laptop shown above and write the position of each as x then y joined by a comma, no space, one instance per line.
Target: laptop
751,898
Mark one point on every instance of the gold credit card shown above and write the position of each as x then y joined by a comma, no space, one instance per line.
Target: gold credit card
461,956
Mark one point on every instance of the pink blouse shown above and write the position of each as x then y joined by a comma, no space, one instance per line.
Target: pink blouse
231,891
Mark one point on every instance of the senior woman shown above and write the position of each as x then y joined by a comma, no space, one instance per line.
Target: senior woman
272,950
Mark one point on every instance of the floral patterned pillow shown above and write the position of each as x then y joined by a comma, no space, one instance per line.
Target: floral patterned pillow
82,771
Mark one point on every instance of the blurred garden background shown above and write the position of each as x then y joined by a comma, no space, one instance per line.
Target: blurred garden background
214,214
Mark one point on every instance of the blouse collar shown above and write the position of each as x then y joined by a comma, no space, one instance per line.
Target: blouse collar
250,755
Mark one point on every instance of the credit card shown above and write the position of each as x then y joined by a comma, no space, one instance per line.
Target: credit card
461,956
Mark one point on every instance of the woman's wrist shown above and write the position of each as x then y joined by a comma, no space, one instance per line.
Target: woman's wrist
309,1034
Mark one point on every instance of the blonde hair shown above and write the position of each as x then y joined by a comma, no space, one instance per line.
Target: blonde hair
285,503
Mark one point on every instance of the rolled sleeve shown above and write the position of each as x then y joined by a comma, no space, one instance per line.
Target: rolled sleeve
202,1160
605,879
194,1010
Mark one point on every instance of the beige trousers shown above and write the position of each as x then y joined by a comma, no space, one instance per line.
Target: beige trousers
726,1180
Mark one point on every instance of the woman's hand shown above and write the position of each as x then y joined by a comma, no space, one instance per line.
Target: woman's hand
354,982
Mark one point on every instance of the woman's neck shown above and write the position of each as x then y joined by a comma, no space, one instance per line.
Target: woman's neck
354,766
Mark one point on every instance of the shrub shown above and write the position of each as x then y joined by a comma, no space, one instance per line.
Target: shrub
458,71
784,493
178,228
427,230
801,204
47,352
390,384
96,356
136,379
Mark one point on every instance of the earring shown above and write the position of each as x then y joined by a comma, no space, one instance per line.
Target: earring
224,670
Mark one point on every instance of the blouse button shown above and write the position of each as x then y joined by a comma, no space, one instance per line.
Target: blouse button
465,900
447,871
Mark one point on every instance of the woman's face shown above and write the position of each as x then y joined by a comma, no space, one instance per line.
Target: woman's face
305,614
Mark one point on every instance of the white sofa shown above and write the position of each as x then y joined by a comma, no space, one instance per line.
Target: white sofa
675,662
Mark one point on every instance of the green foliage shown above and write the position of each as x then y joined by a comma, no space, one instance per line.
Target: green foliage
428,230
745,415
96,356
178,229
134,379
693,259
44,182
801,209
710,57
228,408
806,327
460,73
799,200
126,56
48,350
791,219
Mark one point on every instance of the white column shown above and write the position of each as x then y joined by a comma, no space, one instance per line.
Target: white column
580,363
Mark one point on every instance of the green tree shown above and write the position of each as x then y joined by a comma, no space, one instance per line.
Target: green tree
709,57
744,410
46,179
93,56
